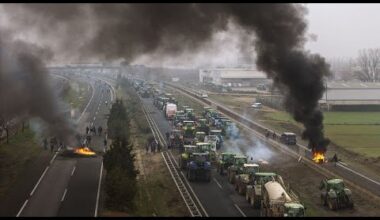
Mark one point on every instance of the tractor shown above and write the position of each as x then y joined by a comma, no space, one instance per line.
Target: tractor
225,160
190,113
199,167
254,189
218,133
203,126
188,128
176,139
214,141
206,147
335,194
199,136
245,177
206,110
183,159
235,168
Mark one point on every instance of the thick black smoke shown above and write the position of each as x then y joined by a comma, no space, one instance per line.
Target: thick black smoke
128,31
24,88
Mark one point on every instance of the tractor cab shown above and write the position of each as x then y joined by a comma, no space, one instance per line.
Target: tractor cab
293,209
288,138
250,168
176,134
218,133
203,147
200,136
239,160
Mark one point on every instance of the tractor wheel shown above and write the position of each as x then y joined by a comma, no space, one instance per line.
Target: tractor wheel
323,200
256,202
332,203
231,177
208,178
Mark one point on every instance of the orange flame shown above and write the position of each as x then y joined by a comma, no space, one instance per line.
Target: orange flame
84,151
318,157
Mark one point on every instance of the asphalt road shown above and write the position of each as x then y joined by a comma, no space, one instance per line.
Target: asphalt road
69,186
218,197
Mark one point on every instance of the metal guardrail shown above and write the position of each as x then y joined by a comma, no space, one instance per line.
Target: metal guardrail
170,163
259,129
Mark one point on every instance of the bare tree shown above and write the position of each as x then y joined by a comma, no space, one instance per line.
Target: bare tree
368,63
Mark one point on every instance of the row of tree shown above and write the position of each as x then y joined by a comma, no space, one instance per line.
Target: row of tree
366,67
120,181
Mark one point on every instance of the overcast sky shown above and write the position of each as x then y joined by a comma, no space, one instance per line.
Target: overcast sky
343,29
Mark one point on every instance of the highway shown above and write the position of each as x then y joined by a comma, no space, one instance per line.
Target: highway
360,182
70,186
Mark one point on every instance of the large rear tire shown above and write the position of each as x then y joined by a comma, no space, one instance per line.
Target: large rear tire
332,203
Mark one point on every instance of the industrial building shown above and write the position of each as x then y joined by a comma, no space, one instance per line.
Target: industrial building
351,96
233,77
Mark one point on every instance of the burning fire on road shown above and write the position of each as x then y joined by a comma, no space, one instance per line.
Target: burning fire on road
85,151
319,157
79,152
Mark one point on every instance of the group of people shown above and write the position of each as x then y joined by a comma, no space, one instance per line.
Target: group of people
268,134
54,142
152,145
93,130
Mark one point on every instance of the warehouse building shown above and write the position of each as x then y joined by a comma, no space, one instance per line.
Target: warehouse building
233,77
351,96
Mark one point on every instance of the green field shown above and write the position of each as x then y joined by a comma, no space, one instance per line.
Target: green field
356,131
21,149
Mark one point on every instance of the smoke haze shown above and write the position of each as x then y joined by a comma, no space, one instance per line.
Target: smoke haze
128,31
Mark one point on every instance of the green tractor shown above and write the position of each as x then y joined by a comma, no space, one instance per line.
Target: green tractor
206,147
225,126
245,177
183,159
199,167
190,113
335,194
203,125
206,109
225,160
254,189
236,167
199,136
188,128
176,139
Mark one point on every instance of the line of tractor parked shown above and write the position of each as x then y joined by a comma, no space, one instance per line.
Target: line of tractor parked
200,139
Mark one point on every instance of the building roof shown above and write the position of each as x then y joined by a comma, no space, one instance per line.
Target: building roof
242,73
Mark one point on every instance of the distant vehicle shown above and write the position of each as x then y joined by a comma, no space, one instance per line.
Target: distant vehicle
288,138
204,95
170,110
256,105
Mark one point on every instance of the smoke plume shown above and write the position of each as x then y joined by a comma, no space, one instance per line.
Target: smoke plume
129,31
24,88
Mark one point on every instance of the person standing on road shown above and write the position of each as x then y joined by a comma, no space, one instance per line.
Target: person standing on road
87,129
167,136
51,144
274,135
45,142
100,129
158,147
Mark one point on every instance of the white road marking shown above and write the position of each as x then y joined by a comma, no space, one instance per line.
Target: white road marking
72,173
22,208
55,155
98,194
359,174
64,194
216,181
43,174
93,93
241,212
